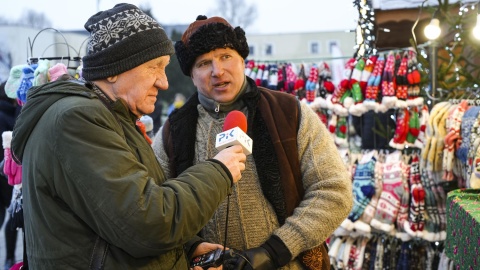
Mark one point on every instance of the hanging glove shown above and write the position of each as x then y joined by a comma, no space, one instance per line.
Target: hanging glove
273,254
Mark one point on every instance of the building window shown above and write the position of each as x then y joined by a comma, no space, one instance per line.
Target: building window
314,47
252,50
268,49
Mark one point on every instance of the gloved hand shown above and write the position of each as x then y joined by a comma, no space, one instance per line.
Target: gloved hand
255,258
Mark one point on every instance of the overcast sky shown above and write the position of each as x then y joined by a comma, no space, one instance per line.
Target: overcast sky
274,16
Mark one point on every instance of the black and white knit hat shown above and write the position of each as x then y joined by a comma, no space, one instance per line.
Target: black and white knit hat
204,35
122,38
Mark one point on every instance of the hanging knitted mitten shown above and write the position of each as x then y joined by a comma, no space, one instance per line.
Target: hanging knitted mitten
311,83
401,130
26,84
291,79
14,80
300,83
413,78
373,85
358,108
413,127
402,82
12,170
41,72
341,132
342,92
388,82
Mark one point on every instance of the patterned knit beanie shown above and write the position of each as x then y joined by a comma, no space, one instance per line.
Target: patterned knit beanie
121,39
204,35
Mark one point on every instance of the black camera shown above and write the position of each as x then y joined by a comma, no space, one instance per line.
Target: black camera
213,258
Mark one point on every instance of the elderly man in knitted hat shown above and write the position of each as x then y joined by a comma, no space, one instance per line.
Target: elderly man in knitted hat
295,190
94,195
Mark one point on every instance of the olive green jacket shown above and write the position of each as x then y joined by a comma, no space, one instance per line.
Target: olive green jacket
88,172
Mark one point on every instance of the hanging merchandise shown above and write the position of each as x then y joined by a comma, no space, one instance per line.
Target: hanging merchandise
401,82
373,85
357,107
311,83
300,83
389,99
341,97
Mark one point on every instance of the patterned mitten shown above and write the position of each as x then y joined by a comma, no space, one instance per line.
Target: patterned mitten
12,170
312,80
389,98
413,78
413,127
341,132
357,108
291,79
26,83
389,202
401,130
373,85
421,138
402,83
414,225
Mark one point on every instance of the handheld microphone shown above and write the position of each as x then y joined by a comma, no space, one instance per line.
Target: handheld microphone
234,133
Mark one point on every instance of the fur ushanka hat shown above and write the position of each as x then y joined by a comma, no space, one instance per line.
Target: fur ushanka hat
204,35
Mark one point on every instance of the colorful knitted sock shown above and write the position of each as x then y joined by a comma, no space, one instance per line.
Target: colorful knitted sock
417,202
363,224
402,216
363,188
389,202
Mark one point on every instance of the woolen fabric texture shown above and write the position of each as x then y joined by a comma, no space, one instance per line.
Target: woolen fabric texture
122,38
323,178
205,35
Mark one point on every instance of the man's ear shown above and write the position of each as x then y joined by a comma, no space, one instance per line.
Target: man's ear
112,79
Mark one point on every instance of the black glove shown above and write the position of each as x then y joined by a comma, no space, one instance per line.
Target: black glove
255,258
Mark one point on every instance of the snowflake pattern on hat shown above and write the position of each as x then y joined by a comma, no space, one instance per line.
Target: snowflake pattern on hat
118,27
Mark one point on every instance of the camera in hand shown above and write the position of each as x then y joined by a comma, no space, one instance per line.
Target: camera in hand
211,259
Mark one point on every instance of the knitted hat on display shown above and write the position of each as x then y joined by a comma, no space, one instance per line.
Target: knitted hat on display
14,81
204,35
121,39
56,71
